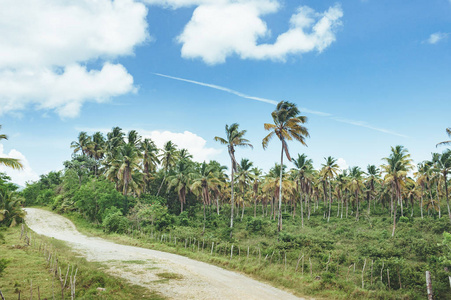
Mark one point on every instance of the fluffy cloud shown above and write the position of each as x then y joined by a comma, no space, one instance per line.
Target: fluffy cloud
18,176
43,45
342,164
220,29
436,37
64,92
195,144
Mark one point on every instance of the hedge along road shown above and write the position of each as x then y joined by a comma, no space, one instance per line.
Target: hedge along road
140,266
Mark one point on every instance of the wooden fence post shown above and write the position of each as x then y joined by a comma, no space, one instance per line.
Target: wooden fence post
429,285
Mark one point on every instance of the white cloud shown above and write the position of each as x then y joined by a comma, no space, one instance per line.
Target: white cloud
191,141
18,176
220,29
43,45
437,37
64,92
342,164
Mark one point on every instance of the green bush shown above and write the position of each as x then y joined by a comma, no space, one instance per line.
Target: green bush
3,264
115,222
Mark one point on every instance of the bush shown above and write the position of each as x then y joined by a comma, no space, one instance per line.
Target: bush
3,264
115,222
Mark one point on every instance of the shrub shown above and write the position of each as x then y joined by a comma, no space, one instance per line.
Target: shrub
115,222
3,264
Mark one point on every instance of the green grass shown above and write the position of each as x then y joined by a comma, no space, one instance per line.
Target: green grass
27,267
413,250
169,275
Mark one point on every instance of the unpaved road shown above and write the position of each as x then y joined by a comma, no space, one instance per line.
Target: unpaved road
140,266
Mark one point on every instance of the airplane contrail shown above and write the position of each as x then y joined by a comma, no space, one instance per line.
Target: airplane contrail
274,102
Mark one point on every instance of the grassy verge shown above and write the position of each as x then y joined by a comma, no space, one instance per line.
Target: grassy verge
29,268
277,262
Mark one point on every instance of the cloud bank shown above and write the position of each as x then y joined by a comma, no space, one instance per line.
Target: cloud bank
46,44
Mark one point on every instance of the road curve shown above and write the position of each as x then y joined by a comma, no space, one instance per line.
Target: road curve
141,266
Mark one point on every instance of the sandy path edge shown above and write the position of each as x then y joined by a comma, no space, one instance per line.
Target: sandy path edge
141,266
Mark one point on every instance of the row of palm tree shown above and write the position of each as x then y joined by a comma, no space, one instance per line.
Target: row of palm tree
133,163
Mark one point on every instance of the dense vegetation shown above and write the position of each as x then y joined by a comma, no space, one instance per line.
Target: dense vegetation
340,219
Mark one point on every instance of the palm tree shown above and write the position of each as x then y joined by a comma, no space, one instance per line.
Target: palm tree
13,163
448,131
126,167
287,126
243,178
442,164
168,160
355,184
329,171
234,138
181,180
255,176
396,169
303,165
203,182
149,159
11,212
373,177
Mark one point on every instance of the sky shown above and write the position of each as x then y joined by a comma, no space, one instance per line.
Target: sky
368,75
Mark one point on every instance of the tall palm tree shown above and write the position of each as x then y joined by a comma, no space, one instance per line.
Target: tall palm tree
243,178
255,176
234,138
168,159
180,181
329,170
127,165
287,126
373,177
303,165
398,164
204,181
83,143
448,131
356,184
149,159
13,163
442,164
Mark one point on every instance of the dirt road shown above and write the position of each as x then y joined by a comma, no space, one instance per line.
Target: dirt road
140,266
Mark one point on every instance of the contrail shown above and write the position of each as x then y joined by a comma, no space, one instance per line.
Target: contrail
274,102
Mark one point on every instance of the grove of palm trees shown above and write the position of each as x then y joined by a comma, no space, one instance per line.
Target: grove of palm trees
358,233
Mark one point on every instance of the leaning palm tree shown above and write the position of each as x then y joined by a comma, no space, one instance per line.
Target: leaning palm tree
287,126
9,162
234,138
448,131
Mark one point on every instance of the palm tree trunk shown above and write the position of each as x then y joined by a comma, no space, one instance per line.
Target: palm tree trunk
395,210
279,223
217,205
357,201
302,211
330,202
402,208
164,178
421,203
232,197
205,220
447,198
242,212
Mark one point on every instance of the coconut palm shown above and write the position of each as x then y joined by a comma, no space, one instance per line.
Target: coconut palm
256,180
329,171
149,159
287,126
442,164
355,184
11,212
83,143
234,138
180,181
303,166
398,164
204,181
373,173
168,159
243,178
9,162
448,131
126,166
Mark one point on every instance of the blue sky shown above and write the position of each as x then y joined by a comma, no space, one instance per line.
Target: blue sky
368,74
